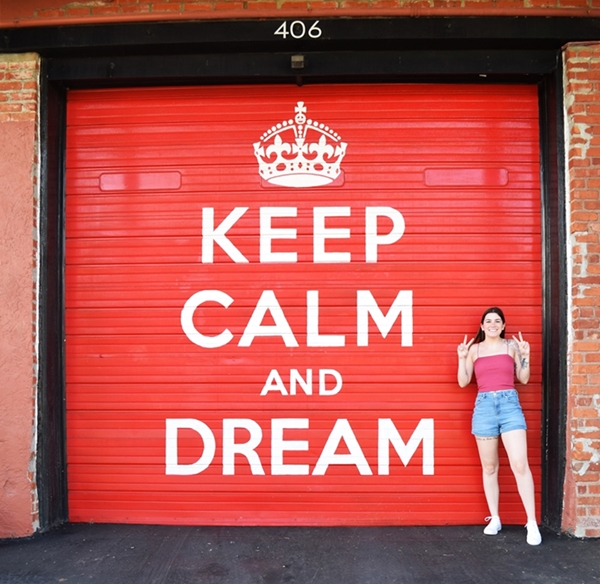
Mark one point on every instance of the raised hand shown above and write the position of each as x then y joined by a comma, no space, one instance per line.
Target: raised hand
522,345
463,348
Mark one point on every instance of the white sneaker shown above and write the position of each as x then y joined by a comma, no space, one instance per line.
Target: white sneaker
534,537
494,525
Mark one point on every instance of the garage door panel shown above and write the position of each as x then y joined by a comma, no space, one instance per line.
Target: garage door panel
212,381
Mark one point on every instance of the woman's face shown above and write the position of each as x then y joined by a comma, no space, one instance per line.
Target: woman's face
492,325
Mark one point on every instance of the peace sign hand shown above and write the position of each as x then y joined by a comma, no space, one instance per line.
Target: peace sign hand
522,345
463,348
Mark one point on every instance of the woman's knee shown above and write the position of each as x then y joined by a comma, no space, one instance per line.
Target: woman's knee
489,468
519,467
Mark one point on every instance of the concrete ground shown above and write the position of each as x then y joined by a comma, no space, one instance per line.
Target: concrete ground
132,554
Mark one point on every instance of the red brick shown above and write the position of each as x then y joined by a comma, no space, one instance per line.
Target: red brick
166,7
585,194
585,413
293,5
586,237
18,75
261,5
78,11
386,4
323,5
138,8
584,216
587,172
8,107
23,96
579,379
542,4
583,369
206,6
589,477
100,10
587,346
580,163
23,117
49,13
591,389
10,85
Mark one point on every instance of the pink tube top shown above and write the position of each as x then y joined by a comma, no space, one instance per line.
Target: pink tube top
494,372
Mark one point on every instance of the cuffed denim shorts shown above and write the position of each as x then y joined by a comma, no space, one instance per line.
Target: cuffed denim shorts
497,412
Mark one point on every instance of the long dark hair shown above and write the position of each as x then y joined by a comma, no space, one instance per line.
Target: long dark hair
480,336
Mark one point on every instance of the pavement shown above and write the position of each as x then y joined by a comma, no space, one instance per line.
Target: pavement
132,554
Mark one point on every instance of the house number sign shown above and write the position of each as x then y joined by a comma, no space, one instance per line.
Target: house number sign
298,30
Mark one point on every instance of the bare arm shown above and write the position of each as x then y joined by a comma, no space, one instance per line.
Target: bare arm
465,363
521,357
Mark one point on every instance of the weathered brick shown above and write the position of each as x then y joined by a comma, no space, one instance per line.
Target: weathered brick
49,13
11,85
206,6
261,5
166,7
136,8
77,11
104,10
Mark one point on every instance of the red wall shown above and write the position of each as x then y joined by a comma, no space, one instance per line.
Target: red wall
18,209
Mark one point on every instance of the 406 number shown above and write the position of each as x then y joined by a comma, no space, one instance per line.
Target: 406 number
298,30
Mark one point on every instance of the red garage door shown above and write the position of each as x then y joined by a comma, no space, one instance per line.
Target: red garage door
265,288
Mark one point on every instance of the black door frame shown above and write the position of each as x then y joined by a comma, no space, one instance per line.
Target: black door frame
478,50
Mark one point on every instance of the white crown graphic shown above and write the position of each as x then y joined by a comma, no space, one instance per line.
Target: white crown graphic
288,158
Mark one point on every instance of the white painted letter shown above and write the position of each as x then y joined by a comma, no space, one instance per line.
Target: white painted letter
281,328
247,449
306,385
321,233
313,338
322,383
210,235
279,445
372,239
366,304
274,383
342,430
172,427
268,234
187,319
388,434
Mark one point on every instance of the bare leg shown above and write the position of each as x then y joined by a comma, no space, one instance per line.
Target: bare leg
488,455
515,443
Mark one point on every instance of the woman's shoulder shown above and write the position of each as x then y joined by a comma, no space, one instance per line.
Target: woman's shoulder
513,348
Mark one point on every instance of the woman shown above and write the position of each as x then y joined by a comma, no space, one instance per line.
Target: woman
498,412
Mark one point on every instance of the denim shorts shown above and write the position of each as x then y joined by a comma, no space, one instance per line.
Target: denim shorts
497,412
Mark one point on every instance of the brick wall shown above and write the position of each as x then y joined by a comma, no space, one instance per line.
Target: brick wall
53,11
582,102
18,291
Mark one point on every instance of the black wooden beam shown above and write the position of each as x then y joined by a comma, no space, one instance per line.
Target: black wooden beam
232,36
